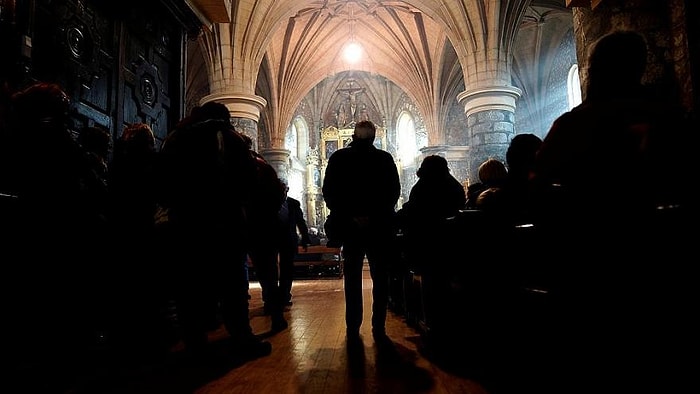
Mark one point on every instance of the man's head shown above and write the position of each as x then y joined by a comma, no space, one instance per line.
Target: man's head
616,64
364,130
285,186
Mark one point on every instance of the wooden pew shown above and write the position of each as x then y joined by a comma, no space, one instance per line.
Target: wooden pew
318,261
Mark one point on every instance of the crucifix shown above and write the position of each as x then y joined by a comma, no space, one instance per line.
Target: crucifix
352,91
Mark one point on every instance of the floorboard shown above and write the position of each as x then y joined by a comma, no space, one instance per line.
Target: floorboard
311,356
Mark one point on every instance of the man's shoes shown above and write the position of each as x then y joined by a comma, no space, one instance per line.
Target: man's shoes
353,335
197,355
279,324
386,350
258,349
378,332
252,348
382,340
356,353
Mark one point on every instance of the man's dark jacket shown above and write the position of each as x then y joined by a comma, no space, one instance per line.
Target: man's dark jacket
361,181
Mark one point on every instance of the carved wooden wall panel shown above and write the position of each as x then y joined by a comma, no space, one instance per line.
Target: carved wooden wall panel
150,72
74,46
120,62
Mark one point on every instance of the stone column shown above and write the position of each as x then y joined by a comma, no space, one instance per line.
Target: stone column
313,196
279,160
490,124
245,111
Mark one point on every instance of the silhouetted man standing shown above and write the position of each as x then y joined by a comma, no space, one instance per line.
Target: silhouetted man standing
361,188
291,219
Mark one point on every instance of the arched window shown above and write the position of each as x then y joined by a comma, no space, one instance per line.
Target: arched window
290,140
406,136
573,87
296,141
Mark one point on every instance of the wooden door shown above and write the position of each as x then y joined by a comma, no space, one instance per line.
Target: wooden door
120,62
74,46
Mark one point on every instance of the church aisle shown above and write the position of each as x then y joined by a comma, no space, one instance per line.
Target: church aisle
310,357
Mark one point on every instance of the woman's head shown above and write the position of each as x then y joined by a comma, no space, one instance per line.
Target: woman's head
139,136
42,102
492,171
433,165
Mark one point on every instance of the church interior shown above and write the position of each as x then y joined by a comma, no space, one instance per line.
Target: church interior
458,79
454,78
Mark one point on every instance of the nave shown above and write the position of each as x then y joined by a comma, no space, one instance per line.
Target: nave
311,356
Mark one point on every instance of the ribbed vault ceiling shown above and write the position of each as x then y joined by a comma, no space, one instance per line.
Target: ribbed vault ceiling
300,42
398,42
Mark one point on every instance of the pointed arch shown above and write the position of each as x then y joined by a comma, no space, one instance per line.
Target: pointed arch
406,139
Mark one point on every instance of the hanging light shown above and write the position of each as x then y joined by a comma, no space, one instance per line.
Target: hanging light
353,50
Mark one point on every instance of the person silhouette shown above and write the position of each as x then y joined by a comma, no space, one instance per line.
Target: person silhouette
361,186
520,157
262,217
621,130
54,186
488,193
436,196
293,225
132,190
593,182
96,141
206,171
138,299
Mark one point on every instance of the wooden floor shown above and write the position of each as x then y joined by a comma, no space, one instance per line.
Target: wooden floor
311,356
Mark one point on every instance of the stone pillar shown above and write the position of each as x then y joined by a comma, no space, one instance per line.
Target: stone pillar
279,160
490,124
313,196
245,111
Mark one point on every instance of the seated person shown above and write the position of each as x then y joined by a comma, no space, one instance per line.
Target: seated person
314,237
492,175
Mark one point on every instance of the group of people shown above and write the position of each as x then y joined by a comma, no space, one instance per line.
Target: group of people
365,220
103,237
225,203
611,176
600,164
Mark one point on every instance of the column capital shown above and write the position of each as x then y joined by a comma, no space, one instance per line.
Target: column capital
240,105
278,159
447,151
433,150
273,154
489,98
